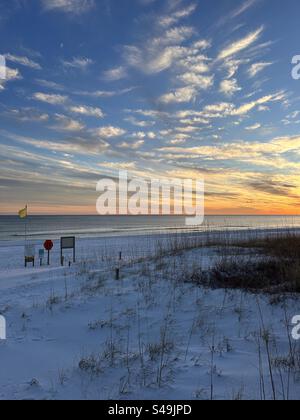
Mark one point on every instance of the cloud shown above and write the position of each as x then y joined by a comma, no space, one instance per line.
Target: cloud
229,87
109,132
87,111
150,113
227,109
49,84
105,93
188,129
185,94
253,127
245,108
232,66
196,64
176,35
237,12
193,121
196,80
179,138
119,165
263,108
142,135
24,61
293,115
165,51
51,99
11,75
155,59
243,8
257,68
139,123
131,145
115,74
158,53
151,135
139,135
202,44
67,124
80,63
175,17
72,144
272,187
240,45
75,7
268,154
27,115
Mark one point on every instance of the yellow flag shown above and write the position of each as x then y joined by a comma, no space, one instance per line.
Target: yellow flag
23,213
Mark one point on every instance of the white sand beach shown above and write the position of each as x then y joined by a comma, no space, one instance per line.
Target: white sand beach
78,333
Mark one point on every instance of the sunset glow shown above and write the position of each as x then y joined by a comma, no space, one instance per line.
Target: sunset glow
171,89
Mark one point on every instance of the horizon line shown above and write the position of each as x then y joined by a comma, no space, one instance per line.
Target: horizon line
151,215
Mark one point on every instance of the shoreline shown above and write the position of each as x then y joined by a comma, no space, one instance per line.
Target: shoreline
154,233
132,246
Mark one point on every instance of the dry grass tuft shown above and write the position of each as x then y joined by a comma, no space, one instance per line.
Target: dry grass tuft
276,268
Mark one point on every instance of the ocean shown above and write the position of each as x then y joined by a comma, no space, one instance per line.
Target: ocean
53,227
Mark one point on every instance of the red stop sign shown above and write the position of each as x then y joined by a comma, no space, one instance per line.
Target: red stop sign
48,245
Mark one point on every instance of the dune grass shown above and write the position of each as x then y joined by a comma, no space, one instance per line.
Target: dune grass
275,268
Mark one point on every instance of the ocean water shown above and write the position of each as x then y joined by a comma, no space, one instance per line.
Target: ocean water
53,227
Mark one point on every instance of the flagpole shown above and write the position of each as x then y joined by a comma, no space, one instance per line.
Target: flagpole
26,224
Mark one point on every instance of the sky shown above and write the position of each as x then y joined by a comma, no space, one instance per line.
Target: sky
161,88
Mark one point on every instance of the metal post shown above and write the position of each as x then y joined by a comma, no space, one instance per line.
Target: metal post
61,253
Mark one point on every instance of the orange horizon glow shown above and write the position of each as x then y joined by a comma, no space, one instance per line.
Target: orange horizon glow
90,211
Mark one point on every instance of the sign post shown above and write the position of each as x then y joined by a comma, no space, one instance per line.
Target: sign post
48,245
29,254
41,256
67,243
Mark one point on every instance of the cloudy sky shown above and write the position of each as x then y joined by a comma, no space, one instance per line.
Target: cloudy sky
168,88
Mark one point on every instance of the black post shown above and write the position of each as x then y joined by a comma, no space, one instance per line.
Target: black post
120,256
48,257
117,274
